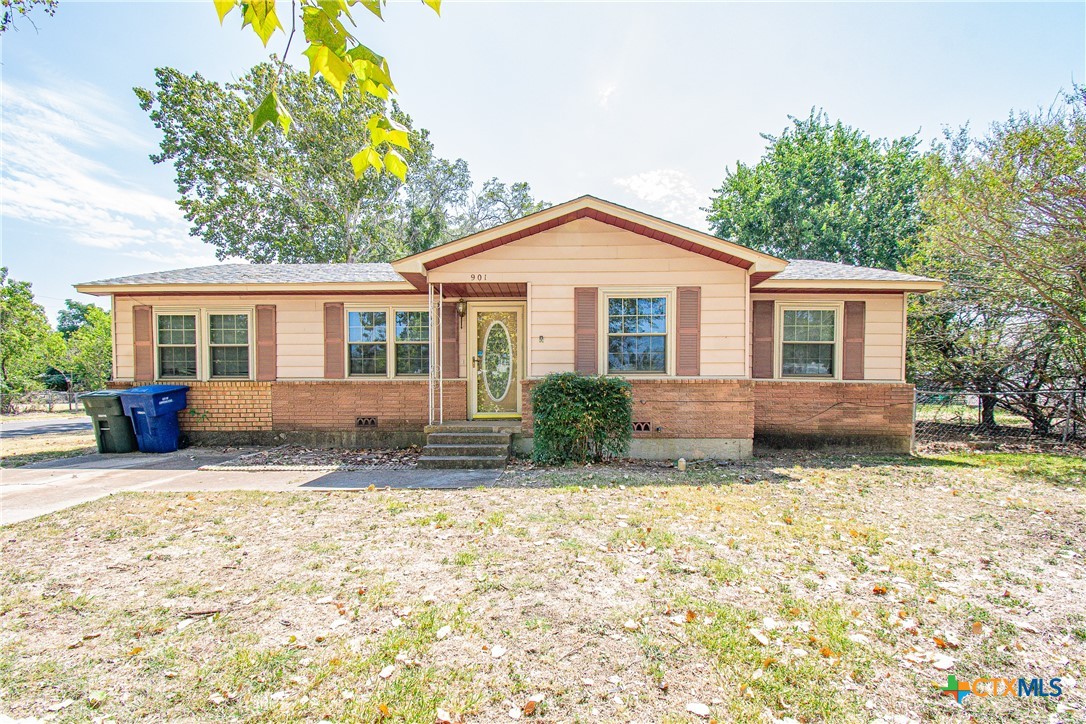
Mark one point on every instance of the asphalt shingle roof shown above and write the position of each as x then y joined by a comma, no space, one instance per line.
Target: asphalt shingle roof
262,274
807,269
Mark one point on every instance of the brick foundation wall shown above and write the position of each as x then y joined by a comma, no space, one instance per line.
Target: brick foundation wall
242,406
335,405
681,408
802,413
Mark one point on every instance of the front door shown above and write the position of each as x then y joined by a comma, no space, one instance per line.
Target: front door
494,365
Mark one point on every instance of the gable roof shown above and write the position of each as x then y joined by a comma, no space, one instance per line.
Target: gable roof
698,242
808,274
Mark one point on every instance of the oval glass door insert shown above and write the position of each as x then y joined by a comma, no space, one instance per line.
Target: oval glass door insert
497,361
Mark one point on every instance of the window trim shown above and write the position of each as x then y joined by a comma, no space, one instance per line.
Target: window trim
193,312
250,313
838,308
608,293
390,339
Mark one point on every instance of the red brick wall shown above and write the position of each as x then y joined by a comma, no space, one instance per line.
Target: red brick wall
833,408
682,408
323,405
224,405
334,405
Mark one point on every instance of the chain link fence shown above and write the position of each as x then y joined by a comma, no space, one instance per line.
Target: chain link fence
1011,420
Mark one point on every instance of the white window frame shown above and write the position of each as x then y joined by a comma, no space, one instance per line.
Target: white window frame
250,313
390,339
608,293
193,312
838,308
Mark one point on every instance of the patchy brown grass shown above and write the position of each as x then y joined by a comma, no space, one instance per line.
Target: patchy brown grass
25,449
810,588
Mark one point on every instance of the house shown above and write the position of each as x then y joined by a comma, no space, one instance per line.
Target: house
724,346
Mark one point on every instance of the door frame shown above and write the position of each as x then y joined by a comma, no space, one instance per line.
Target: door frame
474,308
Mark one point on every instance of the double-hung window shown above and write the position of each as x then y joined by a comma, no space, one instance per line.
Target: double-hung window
636,335
808,342
412,343
176,346
388,342
228,345
367,343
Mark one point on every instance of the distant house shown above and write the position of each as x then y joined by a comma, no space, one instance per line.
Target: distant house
725,346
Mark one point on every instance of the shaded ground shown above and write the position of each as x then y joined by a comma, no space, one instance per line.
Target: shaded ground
25,449
803,587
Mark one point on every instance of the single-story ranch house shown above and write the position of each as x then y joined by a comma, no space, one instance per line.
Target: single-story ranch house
724,346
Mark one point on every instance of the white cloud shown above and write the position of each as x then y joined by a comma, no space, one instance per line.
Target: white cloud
668,193
603,95
51,145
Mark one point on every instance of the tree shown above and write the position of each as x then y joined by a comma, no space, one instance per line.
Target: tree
825,191
338,56
15,9
73,316
1011,208
24,329
82,359
275,198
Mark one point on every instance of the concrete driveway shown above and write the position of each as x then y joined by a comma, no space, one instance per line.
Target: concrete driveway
47,487
44,426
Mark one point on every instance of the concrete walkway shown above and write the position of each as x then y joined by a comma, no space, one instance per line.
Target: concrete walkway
47,487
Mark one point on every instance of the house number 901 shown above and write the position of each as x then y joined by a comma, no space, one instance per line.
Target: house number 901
478,277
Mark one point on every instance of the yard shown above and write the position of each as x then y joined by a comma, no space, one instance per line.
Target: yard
803,587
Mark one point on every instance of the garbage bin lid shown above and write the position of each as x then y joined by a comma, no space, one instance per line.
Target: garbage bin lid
155,389
101,393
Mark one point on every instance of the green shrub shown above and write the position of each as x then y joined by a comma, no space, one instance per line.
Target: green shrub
581,417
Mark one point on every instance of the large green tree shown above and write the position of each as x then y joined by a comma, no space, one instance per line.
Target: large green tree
270,197
825,191
24,331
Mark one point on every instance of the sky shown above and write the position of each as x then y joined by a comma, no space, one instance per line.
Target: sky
645,104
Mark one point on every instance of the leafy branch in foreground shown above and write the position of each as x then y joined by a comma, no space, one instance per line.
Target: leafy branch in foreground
340,58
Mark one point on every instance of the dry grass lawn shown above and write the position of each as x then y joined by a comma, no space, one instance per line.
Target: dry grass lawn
805,588
23,450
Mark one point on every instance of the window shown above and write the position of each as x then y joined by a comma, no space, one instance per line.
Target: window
228,344
808,342
176,346
367,343
637,335
412,343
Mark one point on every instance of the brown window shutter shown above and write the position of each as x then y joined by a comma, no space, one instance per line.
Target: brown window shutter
585,341
762,340
143,337
852,366
688,357
265,342
334,351
450,341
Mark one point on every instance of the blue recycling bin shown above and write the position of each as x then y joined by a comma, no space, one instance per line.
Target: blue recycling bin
153,409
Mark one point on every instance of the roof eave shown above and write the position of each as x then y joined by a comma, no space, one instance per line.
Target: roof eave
99,290
920,286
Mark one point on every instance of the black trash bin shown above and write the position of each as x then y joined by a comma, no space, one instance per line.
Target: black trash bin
112,428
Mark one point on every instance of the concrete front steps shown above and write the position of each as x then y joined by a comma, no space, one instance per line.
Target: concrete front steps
470,444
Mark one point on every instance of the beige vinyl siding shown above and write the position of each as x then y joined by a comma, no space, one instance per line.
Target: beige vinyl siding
299,325
588,253
884,329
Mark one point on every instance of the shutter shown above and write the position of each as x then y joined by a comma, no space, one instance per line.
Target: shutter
762,340
143,337
265,342
585,342
852,366
143,342
450,341
688,357
334,351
